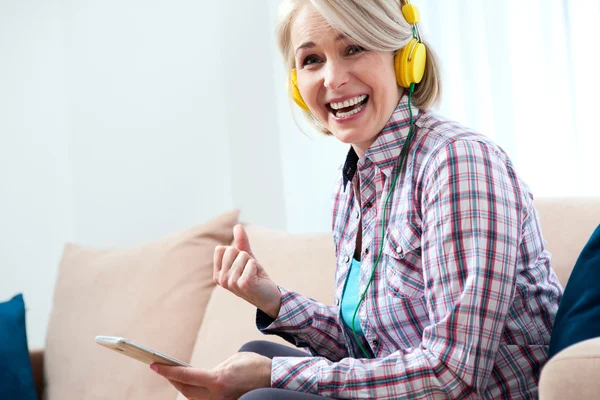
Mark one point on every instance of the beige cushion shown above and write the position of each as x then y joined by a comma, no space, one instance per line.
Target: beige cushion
154,294
567,224
300,262
573,373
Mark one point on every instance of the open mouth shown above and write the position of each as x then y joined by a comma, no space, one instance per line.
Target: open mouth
348,107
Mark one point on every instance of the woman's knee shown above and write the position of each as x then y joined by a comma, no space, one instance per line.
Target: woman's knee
271,349
260,394
255,346
278,394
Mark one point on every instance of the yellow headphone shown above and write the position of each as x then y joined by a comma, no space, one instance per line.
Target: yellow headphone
409,62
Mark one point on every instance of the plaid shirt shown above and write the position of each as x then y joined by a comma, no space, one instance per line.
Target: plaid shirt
463,299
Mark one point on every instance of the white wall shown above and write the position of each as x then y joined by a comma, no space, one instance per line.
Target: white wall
257,177
36,196
124,121
146,109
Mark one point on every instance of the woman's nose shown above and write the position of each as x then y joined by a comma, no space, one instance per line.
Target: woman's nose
336,75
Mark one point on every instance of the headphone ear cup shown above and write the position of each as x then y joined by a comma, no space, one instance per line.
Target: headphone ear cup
295,92
410,71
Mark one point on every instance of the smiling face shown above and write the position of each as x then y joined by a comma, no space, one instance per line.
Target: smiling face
350,90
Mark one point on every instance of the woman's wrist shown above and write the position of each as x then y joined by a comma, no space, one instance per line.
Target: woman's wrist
272,309
272,302
266,381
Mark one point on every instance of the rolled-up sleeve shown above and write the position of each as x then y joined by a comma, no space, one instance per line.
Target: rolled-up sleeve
306,323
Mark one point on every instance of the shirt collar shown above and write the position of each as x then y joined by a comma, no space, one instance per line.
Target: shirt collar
384,152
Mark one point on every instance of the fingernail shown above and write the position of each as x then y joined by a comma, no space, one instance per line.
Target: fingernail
154,368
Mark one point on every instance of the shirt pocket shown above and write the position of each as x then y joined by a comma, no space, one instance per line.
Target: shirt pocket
403,268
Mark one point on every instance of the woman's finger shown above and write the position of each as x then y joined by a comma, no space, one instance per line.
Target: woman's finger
228,259
240,239
186,375
237,269
217,262
191,392
248,275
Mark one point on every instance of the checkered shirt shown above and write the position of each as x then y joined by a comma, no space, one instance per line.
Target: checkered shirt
464,297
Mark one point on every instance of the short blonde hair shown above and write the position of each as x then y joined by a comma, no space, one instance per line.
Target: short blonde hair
375,24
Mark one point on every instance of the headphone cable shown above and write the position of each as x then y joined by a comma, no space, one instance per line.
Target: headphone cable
403,154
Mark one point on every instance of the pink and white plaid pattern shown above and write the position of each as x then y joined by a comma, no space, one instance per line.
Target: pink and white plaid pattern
464,297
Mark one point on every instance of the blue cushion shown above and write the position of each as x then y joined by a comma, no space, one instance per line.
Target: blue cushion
16,377
578,316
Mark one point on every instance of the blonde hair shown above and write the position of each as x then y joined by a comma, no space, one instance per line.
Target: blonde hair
375,24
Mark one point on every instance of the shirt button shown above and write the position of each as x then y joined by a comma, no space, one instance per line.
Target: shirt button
400,252
346,258
368,204
357,214
337,302
366,251
375,342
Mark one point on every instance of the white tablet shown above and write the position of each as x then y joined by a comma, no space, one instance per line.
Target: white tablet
137,351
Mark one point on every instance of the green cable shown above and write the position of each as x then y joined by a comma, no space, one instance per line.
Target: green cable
402,160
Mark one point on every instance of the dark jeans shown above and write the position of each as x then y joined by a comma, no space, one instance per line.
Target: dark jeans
269,349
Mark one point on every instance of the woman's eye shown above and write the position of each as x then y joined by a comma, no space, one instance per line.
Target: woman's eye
310,60
354,49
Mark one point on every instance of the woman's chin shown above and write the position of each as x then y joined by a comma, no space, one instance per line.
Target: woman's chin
353,136
352,133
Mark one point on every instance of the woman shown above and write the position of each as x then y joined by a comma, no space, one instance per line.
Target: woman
443,285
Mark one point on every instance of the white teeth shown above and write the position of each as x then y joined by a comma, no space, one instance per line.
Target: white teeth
339,114
348,103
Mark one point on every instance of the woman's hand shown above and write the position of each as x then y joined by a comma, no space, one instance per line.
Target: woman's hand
236,376
236,270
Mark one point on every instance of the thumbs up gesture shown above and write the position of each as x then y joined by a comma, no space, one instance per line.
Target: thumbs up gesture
236,269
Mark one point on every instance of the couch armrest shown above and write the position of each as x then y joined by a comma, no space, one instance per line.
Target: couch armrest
573,373
37,365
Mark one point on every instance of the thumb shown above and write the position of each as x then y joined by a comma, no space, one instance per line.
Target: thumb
240,239
185,375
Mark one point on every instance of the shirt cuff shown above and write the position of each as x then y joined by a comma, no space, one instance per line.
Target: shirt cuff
296,373
268,325
263,320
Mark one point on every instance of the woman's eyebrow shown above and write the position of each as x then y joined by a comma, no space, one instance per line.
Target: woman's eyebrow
308,45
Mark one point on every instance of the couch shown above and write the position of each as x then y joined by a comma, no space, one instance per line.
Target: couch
161,294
